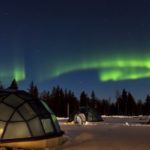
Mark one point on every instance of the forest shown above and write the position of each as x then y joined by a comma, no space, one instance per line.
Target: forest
59,100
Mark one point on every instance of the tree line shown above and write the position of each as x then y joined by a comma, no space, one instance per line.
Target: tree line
63,102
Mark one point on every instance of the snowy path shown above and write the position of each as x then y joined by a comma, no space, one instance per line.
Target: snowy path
108,135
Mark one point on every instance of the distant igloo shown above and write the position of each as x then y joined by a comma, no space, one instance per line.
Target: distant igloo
24,118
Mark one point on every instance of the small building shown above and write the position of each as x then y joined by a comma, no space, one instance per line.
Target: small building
26,122
90,115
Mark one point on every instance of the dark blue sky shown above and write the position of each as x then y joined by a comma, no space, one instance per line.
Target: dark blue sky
77,44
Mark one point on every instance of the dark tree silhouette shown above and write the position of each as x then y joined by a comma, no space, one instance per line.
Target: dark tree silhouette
105,106
139,108
113,109
93,101
131,105
33,90
84,100
62,103
126,104
147,106
124,99
13,85
72,104
45,95
121,103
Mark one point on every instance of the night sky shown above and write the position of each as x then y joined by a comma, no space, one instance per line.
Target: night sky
100,45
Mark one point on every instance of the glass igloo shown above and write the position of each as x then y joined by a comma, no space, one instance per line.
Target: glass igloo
24,118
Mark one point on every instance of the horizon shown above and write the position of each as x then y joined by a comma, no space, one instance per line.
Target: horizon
77,95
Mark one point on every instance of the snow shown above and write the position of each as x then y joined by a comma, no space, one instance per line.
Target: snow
62,118
114,133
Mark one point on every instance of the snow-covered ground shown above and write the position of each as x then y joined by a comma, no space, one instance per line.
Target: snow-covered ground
114,133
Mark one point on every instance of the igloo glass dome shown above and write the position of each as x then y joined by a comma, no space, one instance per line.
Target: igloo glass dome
24,118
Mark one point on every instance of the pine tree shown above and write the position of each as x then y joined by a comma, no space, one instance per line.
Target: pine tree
33,90
147,105
131,105
93,100
13,85
84,100
139,108
121,103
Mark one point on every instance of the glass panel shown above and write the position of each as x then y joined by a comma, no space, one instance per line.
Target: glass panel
16,117
3,94
47,125
54,119
38,107
36,127
46,106
90,116
2,125
24,95
13,100
27,111
1,98
17,130
5,112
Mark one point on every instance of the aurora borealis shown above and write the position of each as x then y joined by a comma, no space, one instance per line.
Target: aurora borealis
80,45
115,68
12,66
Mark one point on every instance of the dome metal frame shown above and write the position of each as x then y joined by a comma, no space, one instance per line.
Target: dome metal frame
31,113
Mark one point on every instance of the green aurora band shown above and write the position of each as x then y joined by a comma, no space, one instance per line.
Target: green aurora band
14,69
18,68
123,74
119,67
17,73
